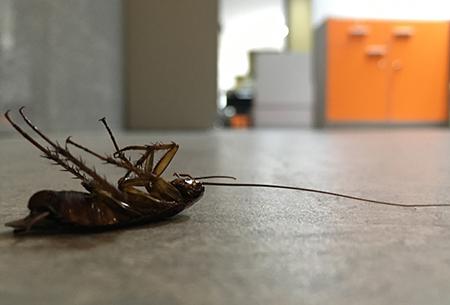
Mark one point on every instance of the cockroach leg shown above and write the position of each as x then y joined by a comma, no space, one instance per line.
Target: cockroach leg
65,153
148,167
125,184
118,153
47,152
133,182
138,164
36,219
24,225
155,147
127,165
69,141
162,164
157,188
111,135
148,157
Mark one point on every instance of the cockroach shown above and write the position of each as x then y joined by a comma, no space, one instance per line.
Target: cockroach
105,206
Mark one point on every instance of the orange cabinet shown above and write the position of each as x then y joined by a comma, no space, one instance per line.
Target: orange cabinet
383,71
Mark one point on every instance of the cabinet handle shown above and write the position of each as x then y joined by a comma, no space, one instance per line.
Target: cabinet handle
403,31
358,30
376,50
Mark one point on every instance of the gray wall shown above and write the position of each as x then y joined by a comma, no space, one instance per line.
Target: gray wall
63,60
171,59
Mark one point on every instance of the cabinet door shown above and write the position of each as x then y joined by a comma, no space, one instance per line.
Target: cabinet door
419,72
357,82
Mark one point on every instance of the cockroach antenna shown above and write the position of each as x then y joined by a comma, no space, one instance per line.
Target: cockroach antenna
204,177
261,185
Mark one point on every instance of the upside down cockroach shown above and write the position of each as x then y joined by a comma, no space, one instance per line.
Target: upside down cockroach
105,206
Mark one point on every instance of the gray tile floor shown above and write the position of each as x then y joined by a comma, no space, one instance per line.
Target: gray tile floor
250,246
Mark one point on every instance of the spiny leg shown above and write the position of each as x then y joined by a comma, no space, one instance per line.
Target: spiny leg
47,152
101,187
116,146
148,156
126,165
144,178
59,150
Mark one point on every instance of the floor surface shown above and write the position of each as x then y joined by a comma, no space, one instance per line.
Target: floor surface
243,245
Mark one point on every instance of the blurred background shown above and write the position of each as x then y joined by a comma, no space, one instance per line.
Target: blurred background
199,64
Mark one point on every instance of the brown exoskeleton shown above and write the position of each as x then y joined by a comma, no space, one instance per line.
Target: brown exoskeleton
105,206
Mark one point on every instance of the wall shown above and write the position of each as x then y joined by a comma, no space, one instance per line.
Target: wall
62,60
300,27
246,26
381,9
171,60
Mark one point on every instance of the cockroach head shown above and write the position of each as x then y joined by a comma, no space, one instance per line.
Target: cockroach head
189,187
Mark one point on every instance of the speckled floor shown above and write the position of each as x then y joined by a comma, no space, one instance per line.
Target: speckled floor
249,246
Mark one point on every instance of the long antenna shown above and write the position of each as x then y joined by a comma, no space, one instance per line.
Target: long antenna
215,177
327,193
